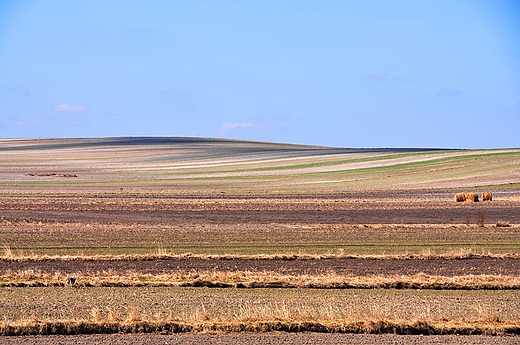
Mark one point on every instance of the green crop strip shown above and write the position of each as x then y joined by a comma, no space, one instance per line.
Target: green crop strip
421,164
315,164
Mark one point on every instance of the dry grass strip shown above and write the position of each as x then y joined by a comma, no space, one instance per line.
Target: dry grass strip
377,326
10,256
266,279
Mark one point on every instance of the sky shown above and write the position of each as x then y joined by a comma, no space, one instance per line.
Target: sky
432,73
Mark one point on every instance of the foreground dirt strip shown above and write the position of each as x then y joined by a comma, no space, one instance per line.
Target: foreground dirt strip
405,327
438,265
258,338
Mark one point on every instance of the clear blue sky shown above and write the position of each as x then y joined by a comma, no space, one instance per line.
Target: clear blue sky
432,73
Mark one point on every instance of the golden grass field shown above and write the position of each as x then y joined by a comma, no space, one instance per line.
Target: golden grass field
202,235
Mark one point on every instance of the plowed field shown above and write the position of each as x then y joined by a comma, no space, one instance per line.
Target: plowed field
147,207
340,266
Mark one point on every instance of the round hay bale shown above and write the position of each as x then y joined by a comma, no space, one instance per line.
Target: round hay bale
471,197
487,196
460,197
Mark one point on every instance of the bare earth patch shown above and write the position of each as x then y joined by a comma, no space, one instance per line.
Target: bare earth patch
262,338
339,266
259,338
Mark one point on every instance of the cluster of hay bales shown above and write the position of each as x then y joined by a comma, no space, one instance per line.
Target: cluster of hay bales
472,197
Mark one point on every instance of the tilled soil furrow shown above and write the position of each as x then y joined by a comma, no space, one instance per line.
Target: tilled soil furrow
258,338
343,210
360,216
341,266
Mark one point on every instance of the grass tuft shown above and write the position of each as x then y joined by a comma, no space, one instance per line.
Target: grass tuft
96,315
8,253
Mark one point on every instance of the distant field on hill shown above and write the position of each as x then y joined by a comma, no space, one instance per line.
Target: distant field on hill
209,165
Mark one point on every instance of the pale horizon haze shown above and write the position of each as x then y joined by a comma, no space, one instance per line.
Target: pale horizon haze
430,74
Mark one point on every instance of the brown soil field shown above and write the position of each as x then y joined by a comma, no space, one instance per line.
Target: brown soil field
259,338
340,266
418,207
356,222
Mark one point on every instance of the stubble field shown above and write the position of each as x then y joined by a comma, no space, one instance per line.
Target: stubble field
186,235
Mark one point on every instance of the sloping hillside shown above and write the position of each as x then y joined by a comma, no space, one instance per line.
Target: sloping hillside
207,164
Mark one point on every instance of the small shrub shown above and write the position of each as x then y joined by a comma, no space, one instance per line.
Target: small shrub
96,315
481,218
8,253
487,196
133,316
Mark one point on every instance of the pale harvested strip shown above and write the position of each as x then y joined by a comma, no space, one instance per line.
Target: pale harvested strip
9,256
246,279
375,161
